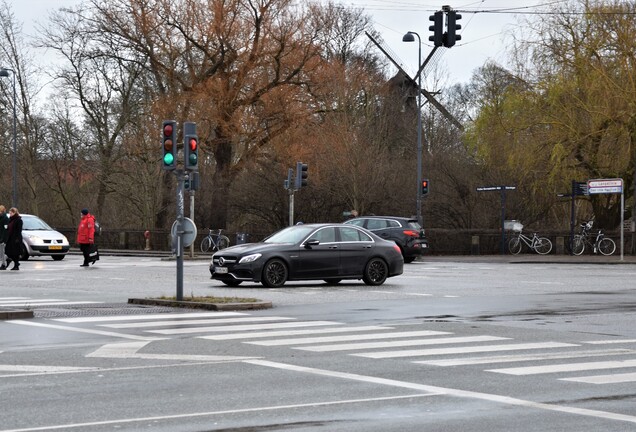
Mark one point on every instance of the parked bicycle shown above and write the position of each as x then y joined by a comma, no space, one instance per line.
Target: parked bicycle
541,245
214,241
602,244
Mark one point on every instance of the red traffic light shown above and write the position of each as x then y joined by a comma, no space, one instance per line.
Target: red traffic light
167,130
424,187
193,144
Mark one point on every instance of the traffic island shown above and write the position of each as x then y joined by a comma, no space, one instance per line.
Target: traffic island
15,314
208,303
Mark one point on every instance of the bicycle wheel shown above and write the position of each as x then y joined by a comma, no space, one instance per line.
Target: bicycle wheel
578,245
606,246
206,244
515,245
223,242
543,246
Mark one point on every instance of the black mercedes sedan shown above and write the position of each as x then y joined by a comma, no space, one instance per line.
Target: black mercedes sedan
329,252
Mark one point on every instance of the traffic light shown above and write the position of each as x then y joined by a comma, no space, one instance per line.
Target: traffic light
191,181
437,28
301,175
425,186
191,152
169,145
452,36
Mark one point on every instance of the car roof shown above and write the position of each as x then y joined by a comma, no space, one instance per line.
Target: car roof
386,217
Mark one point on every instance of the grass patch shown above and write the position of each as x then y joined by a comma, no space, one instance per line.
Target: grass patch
212,299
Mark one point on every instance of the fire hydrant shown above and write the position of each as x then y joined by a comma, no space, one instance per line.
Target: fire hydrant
147,237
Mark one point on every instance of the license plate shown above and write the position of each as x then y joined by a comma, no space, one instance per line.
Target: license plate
220,270
55,247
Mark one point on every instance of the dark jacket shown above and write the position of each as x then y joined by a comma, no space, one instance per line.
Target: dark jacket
4,231
14,238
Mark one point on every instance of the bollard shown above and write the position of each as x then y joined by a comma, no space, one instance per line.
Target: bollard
147,237
474,245
560,245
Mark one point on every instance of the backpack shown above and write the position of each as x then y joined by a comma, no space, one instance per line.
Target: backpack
98,228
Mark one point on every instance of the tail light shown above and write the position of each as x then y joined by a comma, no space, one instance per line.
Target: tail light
397,248
412,233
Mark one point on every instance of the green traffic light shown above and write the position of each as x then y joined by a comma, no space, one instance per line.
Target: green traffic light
193,159
168,159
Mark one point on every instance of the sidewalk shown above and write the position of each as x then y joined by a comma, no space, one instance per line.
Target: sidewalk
533,259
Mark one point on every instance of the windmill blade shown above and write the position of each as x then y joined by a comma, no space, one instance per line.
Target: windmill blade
426,94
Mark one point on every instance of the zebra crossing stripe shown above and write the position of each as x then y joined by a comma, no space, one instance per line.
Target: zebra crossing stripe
255,335
522,358
243,327
571,367
604,379
165,316
343,338
414,342
462,350
195,322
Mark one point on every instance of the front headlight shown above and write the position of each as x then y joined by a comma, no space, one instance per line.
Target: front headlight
249,258
34,239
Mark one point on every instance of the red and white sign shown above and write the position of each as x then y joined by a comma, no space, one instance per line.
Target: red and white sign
605,186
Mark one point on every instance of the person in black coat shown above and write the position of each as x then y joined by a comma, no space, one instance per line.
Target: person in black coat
14,238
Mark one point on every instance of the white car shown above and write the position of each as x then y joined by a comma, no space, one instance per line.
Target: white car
40,239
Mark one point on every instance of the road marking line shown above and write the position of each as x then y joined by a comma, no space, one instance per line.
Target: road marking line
216,413
611,341
30,303
250,335
81,330
415,342
419,294
521,358
447,391
463,350
43,369
129,350
243,327
604,379
165,316
358,337
195,322
570,367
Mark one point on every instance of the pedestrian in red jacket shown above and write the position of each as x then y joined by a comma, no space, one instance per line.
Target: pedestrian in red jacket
86,236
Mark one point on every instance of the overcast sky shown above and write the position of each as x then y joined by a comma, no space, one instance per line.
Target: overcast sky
484,25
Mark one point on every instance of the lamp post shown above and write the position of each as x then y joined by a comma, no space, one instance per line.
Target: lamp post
408,37
4,72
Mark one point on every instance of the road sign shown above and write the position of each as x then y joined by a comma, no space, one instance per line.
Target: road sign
189,231
605,186
492,188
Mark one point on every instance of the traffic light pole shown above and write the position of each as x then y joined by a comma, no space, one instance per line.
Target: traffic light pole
180,231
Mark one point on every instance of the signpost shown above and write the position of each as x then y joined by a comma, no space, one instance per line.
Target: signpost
610,186
503,190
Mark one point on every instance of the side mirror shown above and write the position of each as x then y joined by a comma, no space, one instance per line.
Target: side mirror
312,242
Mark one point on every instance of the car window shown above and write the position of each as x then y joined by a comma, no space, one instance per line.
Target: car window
414,225
374,224
34,223
394,224
353,235
292,234
324,235
356,222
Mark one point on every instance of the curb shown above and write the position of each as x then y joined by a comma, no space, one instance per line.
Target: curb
16,314
200,305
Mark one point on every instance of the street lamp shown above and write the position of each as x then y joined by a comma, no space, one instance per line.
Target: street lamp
409,37
4,72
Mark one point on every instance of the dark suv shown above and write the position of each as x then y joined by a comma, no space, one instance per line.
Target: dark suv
406,232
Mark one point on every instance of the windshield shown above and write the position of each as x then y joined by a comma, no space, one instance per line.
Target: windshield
292,234
31,223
